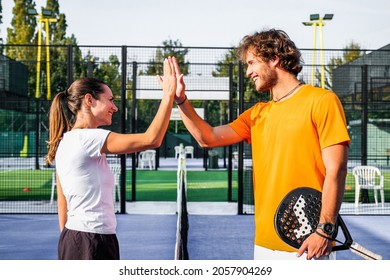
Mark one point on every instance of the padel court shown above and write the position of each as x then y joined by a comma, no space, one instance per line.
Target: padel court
152,236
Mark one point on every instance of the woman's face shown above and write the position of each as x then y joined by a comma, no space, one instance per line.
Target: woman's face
104,107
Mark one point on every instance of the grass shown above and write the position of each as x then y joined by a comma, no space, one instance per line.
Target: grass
25,185
203,186
150,186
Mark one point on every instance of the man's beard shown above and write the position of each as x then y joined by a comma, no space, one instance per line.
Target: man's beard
266,81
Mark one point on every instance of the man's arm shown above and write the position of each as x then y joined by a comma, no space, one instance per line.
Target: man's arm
335,160
206,135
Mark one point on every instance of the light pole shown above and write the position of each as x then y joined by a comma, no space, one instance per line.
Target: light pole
44,18
316,20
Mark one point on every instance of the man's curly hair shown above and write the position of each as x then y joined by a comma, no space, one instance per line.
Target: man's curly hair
270,44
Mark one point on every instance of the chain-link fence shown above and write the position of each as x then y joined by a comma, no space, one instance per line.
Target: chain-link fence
218,89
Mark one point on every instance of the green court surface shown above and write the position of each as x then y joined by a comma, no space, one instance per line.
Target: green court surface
150,185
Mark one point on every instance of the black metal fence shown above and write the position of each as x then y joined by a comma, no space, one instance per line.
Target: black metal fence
218,88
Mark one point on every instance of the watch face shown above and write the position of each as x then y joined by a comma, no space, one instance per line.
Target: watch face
328,228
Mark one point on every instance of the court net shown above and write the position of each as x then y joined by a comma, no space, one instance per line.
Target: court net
181,251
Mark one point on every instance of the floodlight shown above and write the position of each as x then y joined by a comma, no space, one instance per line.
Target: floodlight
328,17
47,13
317,21
32,12
45,17
314,16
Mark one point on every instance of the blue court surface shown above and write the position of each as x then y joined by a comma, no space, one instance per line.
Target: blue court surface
152,237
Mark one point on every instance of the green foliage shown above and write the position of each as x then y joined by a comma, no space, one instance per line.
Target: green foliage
108,71
24,31
21,32
58,55
350,53
147,108
170,48
1,14
23,26
230,63
217,112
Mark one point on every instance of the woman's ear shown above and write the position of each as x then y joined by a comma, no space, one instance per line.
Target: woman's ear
88,99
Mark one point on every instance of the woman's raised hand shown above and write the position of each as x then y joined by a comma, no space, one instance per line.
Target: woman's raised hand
169,81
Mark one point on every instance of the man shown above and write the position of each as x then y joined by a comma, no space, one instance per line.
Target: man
299,138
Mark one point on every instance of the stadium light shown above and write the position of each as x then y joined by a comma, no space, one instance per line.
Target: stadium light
314,17
32,12
328,17
316,20
45,17
47,13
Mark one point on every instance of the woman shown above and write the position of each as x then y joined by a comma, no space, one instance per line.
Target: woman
84,181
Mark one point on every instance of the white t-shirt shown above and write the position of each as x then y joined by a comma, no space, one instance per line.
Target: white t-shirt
87,181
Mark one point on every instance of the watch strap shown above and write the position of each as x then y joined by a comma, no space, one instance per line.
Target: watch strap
333,233
324,236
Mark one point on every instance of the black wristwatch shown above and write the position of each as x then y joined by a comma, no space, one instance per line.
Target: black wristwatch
327,228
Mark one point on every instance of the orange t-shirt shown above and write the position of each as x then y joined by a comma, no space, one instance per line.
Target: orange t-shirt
287,138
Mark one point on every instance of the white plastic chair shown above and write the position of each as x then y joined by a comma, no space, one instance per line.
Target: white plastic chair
189,150
116,171
147,158
53,186
235,160
368,177
177,151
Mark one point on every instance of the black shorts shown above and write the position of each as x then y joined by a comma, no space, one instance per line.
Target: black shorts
78,245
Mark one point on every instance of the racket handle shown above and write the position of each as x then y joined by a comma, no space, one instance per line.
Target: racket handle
363,252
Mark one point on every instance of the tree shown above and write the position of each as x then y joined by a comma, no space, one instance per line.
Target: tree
1,21
1,14
20,33
23,32
147,108
58,52
350,52
108,71
23,26
170,48
250,93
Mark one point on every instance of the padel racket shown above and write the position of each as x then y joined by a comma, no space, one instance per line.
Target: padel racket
298,215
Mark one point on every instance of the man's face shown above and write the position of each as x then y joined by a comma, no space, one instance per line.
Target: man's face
262,73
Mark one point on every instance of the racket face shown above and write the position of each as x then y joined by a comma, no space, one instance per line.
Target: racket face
297,215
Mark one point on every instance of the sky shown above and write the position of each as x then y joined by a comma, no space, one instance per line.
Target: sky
219,23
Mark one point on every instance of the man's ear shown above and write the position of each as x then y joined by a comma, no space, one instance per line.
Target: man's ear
275,62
